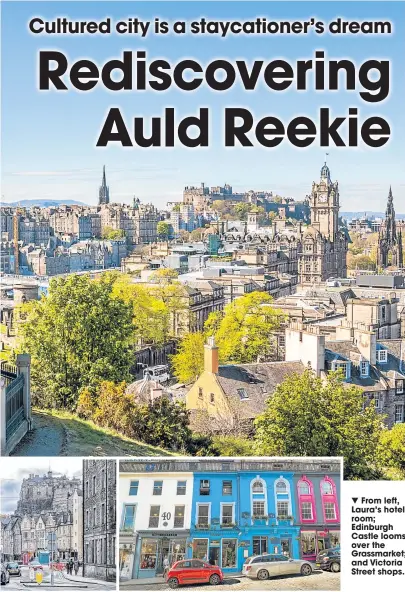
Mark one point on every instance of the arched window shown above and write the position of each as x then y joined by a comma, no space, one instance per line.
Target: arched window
306,501
281,486
258,498
303,488
326,488
330,504
258,487
282,500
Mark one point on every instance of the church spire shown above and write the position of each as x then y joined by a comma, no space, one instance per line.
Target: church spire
104,191
390,226
389,247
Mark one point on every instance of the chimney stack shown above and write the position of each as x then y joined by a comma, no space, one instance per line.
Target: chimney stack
211,356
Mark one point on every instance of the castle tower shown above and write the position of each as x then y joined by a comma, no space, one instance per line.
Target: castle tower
389,248
104,191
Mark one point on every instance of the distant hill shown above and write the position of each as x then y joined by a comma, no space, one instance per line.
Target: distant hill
43,203
350,215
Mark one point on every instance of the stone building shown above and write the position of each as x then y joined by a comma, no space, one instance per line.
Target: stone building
99,509
389,247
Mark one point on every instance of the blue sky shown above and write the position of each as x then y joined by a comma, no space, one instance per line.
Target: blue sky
48,139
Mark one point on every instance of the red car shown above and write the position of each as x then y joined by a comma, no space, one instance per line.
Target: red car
193,571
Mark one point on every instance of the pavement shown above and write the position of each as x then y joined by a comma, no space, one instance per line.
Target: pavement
61,581
319,580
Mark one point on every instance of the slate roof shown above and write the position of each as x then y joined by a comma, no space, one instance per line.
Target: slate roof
259,381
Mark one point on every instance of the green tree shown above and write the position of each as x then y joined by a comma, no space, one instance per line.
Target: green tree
109,233
151,317
392,447
77,336
233,446
188,362
242,209
247,329
163,229
310,416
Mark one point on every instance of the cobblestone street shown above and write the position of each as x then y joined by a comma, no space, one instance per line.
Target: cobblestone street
317,581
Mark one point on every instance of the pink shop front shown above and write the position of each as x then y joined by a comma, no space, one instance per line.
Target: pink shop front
314,541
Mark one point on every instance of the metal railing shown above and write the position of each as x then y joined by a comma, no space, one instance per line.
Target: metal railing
14,392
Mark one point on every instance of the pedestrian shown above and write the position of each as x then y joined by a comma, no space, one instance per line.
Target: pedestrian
166,566
71,566
76,564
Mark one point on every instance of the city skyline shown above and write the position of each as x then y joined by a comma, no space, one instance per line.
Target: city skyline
52,168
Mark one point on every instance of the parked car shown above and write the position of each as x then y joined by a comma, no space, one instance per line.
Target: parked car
4,575
35,565
13,568
193,571
263,567
329,560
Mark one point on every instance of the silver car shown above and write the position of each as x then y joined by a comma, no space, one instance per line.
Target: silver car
263,567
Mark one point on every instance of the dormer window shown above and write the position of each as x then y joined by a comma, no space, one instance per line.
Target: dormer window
343,366
363,369
382,356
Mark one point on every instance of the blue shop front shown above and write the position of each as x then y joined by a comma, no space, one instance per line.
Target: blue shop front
236,515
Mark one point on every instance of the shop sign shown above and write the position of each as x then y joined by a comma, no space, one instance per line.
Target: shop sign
244,543
215,543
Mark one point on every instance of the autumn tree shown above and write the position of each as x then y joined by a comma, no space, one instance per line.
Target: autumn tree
311,416
188,362
247,329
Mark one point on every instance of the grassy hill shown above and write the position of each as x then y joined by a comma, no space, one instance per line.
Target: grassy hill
59,433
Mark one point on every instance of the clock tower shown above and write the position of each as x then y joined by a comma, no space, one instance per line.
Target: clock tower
324,203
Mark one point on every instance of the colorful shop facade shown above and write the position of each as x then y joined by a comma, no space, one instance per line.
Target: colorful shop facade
225,510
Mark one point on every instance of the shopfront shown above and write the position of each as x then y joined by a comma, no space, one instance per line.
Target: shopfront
229,550
127,553
315,541
154,547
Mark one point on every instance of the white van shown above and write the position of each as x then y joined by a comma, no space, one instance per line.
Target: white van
157,373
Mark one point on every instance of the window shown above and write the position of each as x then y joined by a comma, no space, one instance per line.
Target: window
154,516
363,368
148,554
128,517
399,413
383,313
379,402
258,487
102,514
157,487
259,545
258,509
200,393
326,488
242,394
382,356
94,485
212,398
200,549
400,387
226,487
133,487
229,547
203,514
94,516
306,511
281,487
181,487
330,511
282,510
227,511
303,488
343,366
204,487
179,516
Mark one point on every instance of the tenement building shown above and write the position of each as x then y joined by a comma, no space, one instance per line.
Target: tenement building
99,506
389,248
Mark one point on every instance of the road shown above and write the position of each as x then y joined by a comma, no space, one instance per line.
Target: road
61,582
317,581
